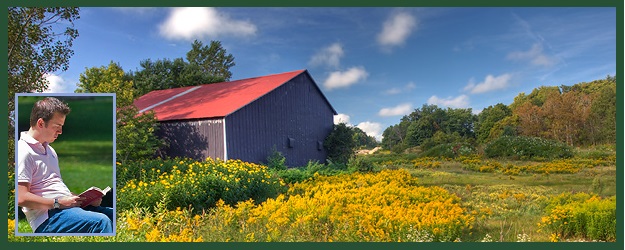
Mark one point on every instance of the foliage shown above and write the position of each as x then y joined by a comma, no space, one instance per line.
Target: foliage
160,225
582,114
487,119
11,191
294,175
340,144
363,140
360,164
136,137
420,126
275,160
523,147
109,79
581,215
211,60
198,184
136,133
204,65
39,43
385,206
449,150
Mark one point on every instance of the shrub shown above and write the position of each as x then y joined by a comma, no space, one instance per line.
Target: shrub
525,148
359,164
276,160
340,143
449,150
199,184
581,215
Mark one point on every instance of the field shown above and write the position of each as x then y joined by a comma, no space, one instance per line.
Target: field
400,198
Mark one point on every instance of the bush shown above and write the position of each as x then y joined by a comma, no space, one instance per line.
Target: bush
276,160
340,143
581,215
359,164
525,148
197,184
294,175
449,150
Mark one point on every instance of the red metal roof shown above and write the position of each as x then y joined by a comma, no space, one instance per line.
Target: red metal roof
210,100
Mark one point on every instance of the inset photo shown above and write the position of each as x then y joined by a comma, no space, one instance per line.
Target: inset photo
65,164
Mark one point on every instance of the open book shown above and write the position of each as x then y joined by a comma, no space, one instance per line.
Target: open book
93,193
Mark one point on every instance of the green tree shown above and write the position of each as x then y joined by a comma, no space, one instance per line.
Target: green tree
211,60
136,136
39,43
204,65
363,140
159,74
487,119
340,144
602,120
109,79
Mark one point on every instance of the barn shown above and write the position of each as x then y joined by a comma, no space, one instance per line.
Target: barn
245,119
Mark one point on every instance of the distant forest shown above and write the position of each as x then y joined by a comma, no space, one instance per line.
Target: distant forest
580,115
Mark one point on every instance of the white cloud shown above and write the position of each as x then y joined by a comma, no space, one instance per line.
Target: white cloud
397,29
490,83
394,91
345,79
402,109
410,86
342,118
458,102
193,23
58,85
534,55
371,129
330,56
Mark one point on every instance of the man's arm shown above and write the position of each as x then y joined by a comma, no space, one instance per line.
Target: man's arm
27,199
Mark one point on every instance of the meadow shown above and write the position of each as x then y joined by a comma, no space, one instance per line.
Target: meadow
399,198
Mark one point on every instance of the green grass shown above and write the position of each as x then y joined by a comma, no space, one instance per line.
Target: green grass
86,163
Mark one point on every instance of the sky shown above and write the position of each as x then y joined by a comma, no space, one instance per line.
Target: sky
374,64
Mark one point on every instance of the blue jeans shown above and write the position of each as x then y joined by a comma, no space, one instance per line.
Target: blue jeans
78,220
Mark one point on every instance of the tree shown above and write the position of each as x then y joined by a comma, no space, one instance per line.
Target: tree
340,144
363,140
204,65
211,60
136,136
487,119
108,79
39,43
159,74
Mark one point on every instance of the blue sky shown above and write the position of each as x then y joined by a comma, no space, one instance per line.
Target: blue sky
373,64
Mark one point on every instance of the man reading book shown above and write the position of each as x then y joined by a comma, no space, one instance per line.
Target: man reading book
46,201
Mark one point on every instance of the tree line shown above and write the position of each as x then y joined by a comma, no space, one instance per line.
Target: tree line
583,114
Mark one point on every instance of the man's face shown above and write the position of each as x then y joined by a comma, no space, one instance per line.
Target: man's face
53,128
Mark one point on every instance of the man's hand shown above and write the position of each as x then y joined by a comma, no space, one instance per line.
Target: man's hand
70,201
96,202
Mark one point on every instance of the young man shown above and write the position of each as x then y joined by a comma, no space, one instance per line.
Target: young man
46,201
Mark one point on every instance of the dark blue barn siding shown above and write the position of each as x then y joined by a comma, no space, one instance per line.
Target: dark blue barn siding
196,139
294,118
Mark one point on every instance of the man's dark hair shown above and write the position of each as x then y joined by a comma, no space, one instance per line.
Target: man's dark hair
45,109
